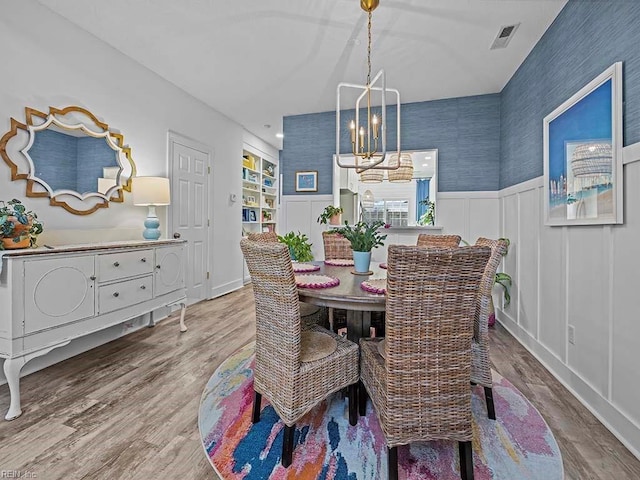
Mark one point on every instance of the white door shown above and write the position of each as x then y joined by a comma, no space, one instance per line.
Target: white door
189,165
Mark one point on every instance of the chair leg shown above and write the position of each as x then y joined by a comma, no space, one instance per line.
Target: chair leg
466,460
287,445
491,410
257,400
392,466
331,318
362,399
353,404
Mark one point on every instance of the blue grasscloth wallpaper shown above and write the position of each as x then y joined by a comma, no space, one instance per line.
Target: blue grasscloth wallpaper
490,142
466,132
71,163
585,39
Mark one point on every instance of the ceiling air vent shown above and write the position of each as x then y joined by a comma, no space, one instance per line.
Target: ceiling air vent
505,34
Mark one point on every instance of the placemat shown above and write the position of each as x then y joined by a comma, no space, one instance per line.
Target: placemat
340,262
316,281
305,267
375,285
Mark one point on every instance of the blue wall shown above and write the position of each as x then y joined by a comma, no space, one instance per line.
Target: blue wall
585,39
69,162
93,155
54,157
491,142
466,132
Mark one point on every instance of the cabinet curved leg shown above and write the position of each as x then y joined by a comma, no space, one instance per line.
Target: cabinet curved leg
183,310
12,367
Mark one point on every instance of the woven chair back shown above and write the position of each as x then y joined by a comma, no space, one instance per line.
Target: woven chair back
481,321
336,247
265,237
431,300
438,241
277,308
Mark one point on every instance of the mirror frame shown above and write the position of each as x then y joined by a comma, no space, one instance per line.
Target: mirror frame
35,121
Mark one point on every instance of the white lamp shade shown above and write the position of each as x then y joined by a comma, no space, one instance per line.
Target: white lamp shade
151,191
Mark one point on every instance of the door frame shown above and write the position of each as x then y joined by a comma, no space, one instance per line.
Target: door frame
174,137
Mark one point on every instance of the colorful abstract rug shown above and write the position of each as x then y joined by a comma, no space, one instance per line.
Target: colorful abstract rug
517,446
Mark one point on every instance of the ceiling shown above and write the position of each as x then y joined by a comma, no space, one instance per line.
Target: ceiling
256,61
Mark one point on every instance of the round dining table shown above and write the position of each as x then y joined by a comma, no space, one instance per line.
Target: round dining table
347,295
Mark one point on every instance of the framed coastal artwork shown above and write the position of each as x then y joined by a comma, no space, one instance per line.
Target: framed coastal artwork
307,181
583,155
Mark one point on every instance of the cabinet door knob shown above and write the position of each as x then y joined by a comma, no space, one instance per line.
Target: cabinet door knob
143,259
143,287
116,294
92,277
116,264
176,235
158,267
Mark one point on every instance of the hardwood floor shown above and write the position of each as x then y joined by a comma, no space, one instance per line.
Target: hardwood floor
128,409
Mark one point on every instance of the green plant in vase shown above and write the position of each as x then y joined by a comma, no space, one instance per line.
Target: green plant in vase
330,215
363,237
299,246
19,227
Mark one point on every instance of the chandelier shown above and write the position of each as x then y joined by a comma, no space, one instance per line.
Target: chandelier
369,137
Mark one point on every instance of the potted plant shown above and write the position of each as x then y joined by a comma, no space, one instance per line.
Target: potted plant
428,217
299,246
330,214
504,280
364,237
18,227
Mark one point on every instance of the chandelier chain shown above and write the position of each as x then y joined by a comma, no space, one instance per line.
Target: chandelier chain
369,50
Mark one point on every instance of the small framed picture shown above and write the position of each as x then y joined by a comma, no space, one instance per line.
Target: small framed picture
251,200
252,216
307,181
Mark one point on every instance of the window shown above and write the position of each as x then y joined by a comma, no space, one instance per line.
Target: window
393,212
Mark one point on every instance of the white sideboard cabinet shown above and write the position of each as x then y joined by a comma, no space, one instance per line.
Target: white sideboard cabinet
51,296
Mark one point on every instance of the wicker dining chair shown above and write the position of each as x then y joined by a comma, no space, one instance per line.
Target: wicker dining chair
309,314
420,387
294,369
336,247
265,237
480,363
442,241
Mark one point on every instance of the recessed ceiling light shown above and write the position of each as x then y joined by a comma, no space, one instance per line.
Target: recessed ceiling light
425,164
428,157
280,135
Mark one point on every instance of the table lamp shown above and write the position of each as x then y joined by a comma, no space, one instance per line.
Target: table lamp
151,192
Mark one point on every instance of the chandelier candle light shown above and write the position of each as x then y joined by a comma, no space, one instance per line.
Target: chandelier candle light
367,139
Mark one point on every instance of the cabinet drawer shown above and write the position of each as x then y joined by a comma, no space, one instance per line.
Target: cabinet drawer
114,266
124,294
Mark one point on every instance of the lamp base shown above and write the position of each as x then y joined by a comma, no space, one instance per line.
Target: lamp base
151,224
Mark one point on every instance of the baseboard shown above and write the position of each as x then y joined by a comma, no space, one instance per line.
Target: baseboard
225,288
623,428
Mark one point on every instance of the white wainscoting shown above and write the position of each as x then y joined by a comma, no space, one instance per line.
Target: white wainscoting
468,214
299,213
586,277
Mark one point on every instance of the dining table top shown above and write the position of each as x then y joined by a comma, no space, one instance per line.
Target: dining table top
348,294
